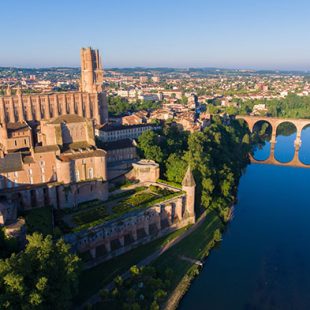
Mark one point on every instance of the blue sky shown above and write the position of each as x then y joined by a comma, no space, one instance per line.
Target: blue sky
177,33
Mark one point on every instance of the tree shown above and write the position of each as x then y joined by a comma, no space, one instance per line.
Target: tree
134,270
43,276
246,139
175,168
217,236
118,281
148,144
154,306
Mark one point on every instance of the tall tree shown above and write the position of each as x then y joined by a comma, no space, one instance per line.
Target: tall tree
43,276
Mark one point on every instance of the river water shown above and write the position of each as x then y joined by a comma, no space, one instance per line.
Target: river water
263,261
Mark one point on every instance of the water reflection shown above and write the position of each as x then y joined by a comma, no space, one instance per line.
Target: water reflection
304,152
262,130
284,148
262,151
285,145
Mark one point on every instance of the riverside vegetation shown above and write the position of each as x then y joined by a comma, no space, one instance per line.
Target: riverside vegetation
217,157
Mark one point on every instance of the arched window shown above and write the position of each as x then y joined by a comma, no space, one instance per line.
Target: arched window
90,173
77,175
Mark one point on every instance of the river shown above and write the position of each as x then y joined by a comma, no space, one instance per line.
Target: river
263,261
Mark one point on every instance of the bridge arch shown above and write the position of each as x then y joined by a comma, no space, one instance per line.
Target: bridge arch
256,124
304,155
284,149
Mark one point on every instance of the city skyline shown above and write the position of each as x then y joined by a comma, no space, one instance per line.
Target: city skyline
245,35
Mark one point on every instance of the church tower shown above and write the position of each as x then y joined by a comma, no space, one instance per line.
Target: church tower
92,79
91,71
188,186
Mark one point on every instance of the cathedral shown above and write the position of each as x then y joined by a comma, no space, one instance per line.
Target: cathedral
48,154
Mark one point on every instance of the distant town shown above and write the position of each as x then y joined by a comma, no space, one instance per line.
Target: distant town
175,93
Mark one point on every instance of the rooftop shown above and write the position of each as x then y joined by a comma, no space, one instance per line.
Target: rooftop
11,162
70,118
188,178
107,127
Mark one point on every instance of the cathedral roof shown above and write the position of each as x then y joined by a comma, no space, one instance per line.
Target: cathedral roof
17,126
46,148
188,178
68,118
11,162
66,157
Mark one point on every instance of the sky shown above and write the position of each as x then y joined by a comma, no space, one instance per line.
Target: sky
260,34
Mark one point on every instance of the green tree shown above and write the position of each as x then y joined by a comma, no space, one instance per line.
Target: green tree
135,271
175,168
217,235
43,276
154,306
148,144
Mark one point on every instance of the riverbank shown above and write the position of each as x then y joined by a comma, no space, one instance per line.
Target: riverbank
195,246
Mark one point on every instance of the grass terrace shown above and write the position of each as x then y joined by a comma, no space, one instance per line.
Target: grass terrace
97,212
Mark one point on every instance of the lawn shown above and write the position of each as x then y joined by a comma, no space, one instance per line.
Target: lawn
91,215
92,280
39,219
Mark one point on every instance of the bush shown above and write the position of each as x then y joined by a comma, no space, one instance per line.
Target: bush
39,220
217,236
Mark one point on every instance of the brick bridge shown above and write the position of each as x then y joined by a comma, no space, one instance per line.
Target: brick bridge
274,123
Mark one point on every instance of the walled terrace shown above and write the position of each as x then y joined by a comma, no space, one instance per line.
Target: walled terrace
131,217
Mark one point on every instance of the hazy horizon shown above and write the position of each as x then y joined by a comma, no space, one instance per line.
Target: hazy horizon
160,67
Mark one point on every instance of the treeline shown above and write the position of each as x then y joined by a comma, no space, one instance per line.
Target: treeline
216,156
292,106
118,106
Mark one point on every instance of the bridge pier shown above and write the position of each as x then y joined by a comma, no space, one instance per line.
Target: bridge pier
297,141
273,136
272,147
295,159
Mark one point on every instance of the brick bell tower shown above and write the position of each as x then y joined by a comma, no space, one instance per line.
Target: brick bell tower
92,79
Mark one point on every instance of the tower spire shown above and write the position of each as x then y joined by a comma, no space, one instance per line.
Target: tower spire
188,179
9,90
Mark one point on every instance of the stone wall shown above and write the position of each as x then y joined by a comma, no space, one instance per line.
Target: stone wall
132,229
53,194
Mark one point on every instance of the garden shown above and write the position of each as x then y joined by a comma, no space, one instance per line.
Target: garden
97,212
